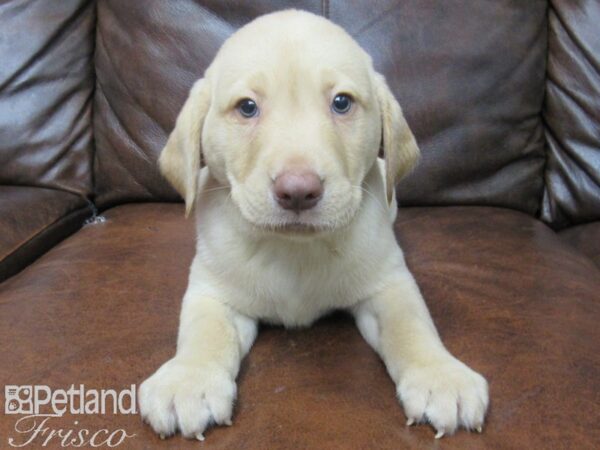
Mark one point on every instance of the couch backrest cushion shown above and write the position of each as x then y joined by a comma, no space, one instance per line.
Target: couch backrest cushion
148,55
572,114
470,76
46,89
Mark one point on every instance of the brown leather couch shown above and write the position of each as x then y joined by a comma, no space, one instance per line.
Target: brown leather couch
500,222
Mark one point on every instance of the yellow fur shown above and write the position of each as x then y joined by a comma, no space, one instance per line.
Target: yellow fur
250,265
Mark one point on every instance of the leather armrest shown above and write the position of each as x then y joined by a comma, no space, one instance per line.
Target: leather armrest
32,220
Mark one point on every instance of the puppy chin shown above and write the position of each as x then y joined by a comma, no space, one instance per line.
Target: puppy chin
298,229
293,227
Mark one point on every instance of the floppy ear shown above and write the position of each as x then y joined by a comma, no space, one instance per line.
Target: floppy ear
400,148
181,158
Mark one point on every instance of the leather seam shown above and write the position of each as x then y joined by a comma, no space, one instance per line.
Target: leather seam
325,8
48,228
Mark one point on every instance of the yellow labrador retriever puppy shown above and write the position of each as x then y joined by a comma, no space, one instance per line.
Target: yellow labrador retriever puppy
276,152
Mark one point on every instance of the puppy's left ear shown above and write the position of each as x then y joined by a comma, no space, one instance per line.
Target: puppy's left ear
400,149
181,158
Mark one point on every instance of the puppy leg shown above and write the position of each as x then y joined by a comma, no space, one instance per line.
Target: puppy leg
197,387
432,385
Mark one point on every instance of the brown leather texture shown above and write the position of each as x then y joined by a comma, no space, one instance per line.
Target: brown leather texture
508,296
585,238
472,90
32,220
46,93
572,114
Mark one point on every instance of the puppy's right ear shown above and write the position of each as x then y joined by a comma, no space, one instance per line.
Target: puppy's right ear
181,158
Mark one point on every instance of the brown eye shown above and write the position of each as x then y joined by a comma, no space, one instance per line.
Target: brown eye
247,107
341,103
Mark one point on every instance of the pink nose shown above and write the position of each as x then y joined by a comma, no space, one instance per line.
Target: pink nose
298,190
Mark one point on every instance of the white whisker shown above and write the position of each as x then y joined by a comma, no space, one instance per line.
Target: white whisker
220,188
383,209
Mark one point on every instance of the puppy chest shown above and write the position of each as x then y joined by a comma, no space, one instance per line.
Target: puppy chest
290,291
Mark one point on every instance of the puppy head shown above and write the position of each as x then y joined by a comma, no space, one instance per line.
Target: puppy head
291,115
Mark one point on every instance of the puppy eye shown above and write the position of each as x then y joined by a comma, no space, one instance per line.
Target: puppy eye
341,103
247,107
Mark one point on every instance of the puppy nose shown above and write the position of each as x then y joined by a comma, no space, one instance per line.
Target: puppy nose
298,190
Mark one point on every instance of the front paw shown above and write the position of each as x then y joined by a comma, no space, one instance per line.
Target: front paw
447,395
186,397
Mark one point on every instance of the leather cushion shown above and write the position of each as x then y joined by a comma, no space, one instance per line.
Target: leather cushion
46,88
508,296
470,77
572,114
148,55
32,220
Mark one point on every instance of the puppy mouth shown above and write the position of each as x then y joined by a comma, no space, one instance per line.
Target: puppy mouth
293,227
296,228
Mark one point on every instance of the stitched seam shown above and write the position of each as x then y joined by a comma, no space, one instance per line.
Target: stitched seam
40,234
545,129
325,8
